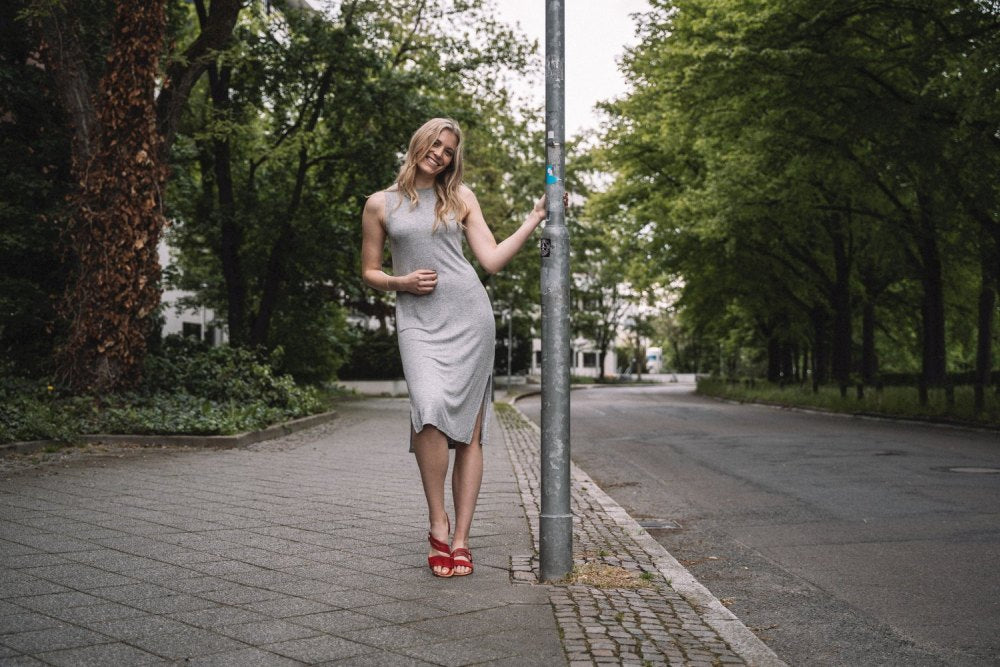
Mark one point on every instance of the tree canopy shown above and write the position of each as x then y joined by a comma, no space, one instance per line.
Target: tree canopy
815,175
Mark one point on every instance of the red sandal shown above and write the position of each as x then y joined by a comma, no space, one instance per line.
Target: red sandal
440,561
466,557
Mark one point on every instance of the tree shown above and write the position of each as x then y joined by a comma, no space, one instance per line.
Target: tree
297,123
812,201
118,151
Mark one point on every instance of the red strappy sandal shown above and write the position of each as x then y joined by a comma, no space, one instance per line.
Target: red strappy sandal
440,561
466,557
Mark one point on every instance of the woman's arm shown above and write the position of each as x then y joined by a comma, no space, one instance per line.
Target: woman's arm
494,256
421,281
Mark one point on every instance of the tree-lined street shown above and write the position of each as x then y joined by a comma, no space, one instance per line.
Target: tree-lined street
796,200
838,540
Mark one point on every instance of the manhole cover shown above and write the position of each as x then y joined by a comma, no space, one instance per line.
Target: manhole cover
659,524
972,470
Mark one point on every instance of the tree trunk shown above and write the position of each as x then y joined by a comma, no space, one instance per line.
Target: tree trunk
274,275
820,351
787,362
934,367
120,146
640,363
773,360
117,217
64,57
230,231
841,298
183,72
869,357
989,259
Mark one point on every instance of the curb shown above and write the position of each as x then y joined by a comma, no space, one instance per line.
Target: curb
205,441
28,446
742,640
871,416
725,623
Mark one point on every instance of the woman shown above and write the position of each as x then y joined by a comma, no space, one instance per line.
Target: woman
444,321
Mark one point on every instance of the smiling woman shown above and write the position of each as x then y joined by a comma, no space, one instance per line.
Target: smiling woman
444,320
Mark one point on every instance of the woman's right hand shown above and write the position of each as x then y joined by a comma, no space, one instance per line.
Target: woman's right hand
420,282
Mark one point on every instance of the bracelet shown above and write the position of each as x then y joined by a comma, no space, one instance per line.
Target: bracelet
387,287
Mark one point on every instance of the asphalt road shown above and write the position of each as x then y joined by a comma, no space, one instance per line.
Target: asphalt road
839,541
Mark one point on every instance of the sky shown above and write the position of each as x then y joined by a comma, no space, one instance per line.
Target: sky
597,32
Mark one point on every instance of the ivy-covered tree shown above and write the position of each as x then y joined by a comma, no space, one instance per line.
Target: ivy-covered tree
118,150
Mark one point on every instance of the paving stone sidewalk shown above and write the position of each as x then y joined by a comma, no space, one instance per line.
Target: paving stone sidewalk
309,549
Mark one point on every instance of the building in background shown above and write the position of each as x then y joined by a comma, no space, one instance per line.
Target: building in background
183,316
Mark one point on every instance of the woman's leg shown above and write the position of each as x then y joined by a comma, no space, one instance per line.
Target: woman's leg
465,482
431,449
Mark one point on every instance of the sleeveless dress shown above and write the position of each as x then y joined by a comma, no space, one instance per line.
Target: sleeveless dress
447,337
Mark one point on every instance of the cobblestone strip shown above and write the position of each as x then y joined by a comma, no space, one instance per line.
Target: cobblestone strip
670,619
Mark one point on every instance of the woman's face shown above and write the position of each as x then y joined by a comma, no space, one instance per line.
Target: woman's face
440,155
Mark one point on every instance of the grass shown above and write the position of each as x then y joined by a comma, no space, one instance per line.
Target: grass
899,402
600,575
607,379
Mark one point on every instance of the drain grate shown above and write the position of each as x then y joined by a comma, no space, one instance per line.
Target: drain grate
971,470
890,452
659,524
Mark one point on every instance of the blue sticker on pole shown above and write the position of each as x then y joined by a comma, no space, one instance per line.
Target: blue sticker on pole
550,175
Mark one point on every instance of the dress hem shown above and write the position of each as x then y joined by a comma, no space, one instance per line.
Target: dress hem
453,441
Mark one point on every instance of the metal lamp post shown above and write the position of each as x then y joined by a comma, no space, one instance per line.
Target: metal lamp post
556,522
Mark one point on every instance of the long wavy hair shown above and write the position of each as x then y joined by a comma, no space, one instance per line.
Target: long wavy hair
447,183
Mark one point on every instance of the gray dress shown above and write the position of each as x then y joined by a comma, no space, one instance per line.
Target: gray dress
447,337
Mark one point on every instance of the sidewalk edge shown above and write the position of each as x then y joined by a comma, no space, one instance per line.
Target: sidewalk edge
729,627
743,641
207,441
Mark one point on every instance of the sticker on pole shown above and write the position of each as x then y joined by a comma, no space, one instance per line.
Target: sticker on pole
550,175
545,245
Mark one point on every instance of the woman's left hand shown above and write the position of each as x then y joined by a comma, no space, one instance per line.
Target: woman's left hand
541,208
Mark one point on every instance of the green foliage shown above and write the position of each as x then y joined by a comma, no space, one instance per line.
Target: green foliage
785,203
605,263
374,356
301,121
297,121
310,349
34,179
188,388
221,373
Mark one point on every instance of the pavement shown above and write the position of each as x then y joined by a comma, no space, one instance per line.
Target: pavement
311,549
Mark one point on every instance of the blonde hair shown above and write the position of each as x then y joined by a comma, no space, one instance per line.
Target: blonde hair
447,183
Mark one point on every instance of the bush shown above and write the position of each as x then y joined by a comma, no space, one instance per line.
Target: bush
188,387
311,348
374,356
222,373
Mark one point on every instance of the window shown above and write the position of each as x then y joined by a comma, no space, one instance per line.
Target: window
191,330
590,360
